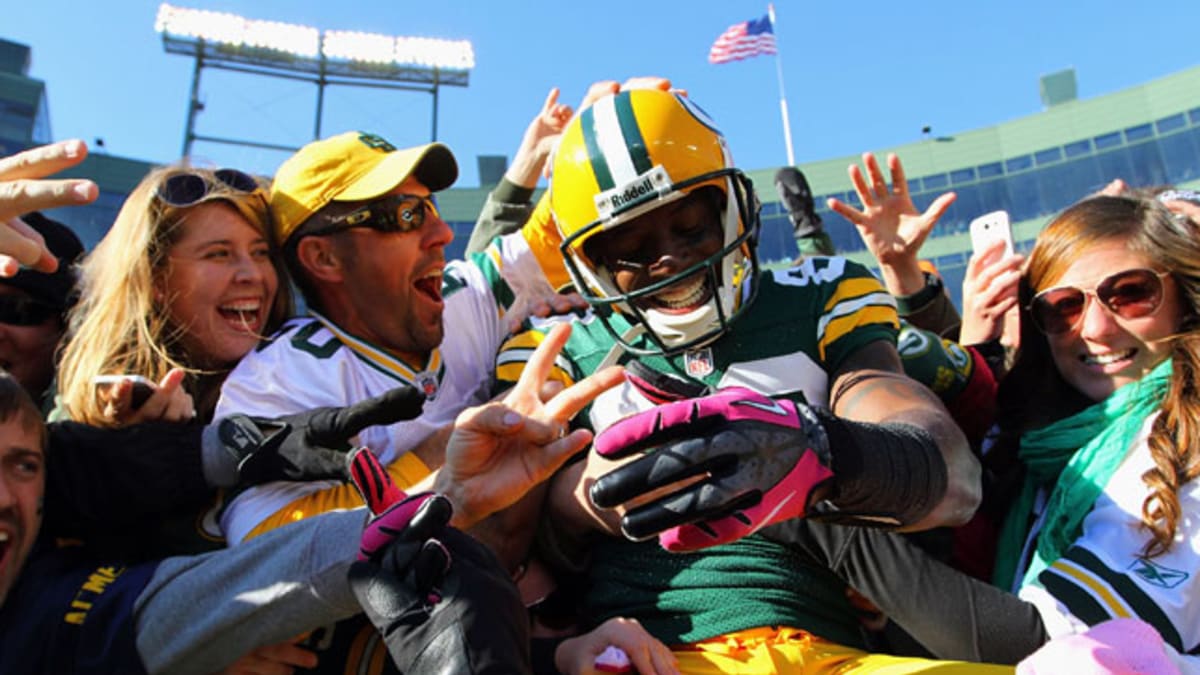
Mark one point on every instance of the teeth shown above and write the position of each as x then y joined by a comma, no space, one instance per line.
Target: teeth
1105,359
434,274
247,306
3,537
682,296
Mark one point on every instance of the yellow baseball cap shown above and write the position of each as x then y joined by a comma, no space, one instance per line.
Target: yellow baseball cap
351,167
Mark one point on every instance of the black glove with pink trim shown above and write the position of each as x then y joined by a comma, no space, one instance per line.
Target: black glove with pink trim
441,599
753,461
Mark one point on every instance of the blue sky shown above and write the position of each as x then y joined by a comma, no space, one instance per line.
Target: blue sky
858,76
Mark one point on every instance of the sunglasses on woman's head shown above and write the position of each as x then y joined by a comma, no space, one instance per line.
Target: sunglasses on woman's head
1131,294
186,189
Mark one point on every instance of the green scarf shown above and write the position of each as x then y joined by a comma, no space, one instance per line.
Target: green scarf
1077,455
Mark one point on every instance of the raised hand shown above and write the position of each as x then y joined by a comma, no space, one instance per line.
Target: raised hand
889,223
539,140
500,450
989,293
22,191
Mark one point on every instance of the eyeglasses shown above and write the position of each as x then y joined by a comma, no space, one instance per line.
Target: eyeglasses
19,310
1131,294
186,189
392,213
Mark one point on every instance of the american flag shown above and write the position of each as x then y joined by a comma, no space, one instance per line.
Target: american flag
743,40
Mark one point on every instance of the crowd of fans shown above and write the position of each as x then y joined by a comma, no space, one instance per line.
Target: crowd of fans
606,440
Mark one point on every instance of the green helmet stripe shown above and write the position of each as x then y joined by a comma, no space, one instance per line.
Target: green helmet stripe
634,142
587,125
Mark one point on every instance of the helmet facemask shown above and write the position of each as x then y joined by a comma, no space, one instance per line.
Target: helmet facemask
730,273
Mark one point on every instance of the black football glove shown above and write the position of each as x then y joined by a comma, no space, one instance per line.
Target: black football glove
760,461
310,445
440,599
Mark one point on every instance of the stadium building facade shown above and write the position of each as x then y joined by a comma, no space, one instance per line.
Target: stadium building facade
1032,167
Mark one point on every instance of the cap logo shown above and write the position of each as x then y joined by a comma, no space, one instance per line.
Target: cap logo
376,142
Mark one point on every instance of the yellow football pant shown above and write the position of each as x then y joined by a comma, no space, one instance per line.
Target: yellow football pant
760,651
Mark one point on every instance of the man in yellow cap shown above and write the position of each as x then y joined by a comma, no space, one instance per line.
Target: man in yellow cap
360,230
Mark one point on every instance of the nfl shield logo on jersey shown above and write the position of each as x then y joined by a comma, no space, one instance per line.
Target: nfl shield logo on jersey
699,363
428,385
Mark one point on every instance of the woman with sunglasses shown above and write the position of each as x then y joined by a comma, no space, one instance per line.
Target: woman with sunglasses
184,284
1096,456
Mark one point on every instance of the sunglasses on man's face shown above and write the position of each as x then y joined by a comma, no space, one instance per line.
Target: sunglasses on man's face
1131,294
18,310
392,213
186,189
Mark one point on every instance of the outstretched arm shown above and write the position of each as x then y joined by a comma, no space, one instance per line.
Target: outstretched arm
198,614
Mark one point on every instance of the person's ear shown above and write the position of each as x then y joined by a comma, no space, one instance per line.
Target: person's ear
318,258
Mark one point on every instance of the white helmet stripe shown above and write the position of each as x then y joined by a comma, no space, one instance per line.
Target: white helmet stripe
612,142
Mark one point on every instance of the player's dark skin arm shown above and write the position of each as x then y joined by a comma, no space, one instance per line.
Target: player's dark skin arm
870,386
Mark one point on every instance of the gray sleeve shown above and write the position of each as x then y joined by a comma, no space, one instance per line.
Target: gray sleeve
199,614
506,210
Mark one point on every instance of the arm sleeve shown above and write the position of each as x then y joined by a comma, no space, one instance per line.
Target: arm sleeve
507,208
199,614
99,480
953,615
931,309
958,375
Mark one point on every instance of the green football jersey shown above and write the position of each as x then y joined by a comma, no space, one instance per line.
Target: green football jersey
802,325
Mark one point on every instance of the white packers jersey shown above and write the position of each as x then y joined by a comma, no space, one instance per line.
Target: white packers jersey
1104,574
312,363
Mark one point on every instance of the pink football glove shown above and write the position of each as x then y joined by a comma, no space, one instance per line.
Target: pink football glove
760,461
392,511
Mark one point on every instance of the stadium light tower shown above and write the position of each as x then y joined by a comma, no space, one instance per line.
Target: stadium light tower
295,52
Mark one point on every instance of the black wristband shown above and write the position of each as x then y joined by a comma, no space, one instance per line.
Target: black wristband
886,475
908,304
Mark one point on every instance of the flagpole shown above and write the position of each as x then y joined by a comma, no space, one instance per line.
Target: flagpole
783,107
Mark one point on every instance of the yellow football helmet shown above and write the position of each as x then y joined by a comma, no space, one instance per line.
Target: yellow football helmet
626,155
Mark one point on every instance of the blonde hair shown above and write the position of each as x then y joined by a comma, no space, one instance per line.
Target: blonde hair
119,326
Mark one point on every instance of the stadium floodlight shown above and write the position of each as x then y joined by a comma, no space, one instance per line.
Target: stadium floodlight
219,37
286,50
237,31
402,51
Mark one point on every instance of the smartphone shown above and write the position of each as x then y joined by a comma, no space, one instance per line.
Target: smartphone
143,387
989,228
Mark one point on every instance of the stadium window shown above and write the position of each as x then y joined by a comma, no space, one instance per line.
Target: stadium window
1047,156
935,182
962,176
1138,133
914,186
1194,115
1018,163
1107,141
990,170
1168,124
1078,148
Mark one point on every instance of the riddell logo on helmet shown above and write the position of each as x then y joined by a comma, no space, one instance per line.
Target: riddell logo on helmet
654,181
631,193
